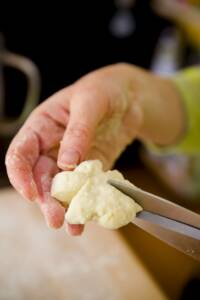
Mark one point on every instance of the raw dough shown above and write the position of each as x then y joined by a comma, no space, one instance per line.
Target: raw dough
66,184
90,167
91,198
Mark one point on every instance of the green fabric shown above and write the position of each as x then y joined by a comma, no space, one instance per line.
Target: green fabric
188,84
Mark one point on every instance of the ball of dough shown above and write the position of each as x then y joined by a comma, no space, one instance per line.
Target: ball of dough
90,167
101,202
91,198
65,185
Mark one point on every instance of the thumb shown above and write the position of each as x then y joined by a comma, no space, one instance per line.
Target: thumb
85,114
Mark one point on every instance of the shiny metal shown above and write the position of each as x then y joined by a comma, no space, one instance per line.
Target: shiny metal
171,223
9,126
158,205
183,237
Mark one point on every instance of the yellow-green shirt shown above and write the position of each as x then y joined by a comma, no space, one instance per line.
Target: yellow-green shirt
188,84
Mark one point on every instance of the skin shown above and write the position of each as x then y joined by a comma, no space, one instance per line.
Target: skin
75,124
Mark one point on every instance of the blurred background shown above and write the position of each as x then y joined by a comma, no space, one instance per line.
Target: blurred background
47,46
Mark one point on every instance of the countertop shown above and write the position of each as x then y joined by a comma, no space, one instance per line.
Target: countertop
41,263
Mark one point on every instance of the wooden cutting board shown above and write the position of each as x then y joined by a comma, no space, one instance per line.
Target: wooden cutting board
37,262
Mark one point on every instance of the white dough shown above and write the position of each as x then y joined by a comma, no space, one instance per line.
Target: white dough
91,198
90,167
66,184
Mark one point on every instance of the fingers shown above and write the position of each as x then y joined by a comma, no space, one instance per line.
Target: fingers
42,131
75,229
85,114
38,135
52,210
20,159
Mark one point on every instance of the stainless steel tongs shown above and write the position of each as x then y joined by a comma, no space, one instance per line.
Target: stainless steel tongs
171,223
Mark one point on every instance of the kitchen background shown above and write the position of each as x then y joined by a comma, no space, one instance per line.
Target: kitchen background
47,46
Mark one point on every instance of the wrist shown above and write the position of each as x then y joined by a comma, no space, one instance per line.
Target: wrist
163,121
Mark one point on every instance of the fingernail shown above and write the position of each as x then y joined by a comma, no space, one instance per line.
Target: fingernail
69,159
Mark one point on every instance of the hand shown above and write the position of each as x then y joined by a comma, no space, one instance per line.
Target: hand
95,118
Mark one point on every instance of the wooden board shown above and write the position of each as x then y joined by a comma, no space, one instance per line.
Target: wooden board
40,263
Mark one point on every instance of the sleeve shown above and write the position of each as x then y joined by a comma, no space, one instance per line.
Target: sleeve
188,85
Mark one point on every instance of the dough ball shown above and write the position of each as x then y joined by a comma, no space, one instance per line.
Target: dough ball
114,174
99,201
90,167
66,184
102,203
91,198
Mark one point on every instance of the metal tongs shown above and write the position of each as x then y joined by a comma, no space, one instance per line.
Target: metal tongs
171,223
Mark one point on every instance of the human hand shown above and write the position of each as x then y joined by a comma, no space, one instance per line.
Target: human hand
95,118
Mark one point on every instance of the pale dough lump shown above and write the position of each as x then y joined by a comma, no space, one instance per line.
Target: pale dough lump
90,197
